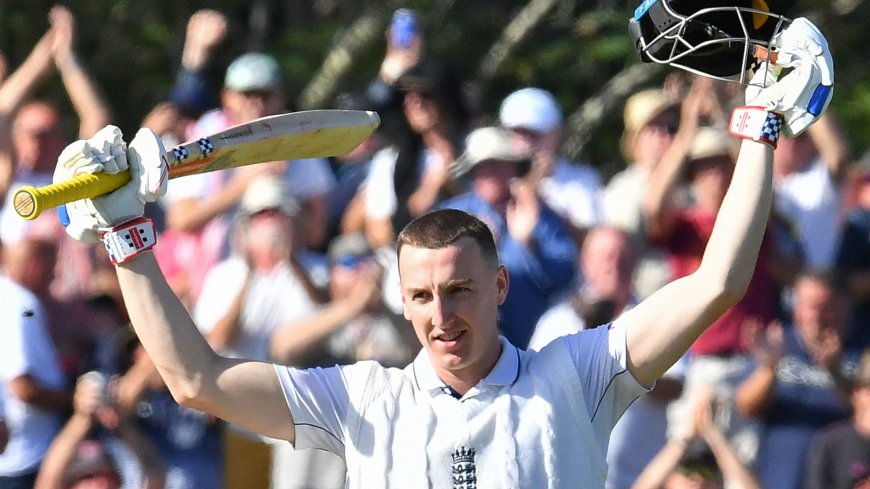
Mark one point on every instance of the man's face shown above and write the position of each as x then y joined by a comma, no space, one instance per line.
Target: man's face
607,262
37,137
451,295
247,106
817,310
711,176
492,181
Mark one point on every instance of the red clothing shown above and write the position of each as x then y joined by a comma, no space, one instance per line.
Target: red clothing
685,247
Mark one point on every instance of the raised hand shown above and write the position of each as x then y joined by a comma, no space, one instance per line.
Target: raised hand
803,93
523,212
205,30
63,35
87,219
766,344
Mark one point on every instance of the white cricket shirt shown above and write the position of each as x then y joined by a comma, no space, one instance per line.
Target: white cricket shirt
539,419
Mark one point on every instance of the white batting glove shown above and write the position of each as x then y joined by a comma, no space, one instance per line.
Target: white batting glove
86,220
804,92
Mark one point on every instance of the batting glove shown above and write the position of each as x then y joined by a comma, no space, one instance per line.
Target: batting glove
87,220
800,84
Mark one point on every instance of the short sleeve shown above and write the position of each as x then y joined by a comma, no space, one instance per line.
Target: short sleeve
600,357
318,401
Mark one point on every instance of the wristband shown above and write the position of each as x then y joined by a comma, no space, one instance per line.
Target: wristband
129,239
757,124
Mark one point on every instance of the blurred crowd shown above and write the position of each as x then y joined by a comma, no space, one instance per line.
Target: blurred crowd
292,262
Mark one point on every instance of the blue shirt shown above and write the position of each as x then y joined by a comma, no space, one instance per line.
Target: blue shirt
805,400
539,274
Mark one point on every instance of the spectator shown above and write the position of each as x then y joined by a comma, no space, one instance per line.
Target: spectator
346,201
356,324
249,295
808,183
191,94
853,262
534,120
411,176
199,211
839,457
651,119
77,459
188,441
796,385
607,260
532,240
37,141
206,30
701,457
33,384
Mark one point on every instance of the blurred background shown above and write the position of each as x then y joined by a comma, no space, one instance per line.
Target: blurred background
578,50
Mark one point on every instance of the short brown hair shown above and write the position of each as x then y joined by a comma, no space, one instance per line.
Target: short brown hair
442,228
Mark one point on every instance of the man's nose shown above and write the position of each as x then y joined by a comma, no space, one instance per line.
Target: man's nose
441,313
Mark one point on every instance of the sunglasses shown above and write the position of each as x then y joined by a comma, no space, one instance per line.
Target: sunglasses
352,261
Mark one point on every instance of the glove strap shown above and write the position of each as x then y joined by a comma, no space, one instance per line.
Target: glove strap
757,124
129,239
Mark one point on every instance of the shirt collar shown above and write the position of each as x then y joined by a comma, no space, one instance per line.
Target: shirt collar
505,371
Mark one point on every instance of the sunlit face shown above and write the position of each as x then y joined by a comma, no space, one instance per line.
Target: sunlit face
711,177
654,138
450,296
607,262
250,105
421,112
817,310
37,137
492,181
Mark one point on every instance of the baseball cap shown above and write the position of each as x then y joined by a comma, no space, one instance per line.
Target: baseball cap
253,71
708,142
530,108
484,144
268,192
91,458
347,249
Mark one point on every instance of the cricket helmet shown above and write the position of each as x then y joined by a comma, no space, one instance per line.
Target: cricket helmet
714,38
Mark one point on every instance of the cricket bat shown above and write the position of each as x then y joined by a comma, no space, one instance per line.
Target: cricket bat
294,135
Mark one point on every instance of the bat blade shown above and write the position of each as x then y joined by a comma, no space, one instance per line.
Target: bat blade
294,135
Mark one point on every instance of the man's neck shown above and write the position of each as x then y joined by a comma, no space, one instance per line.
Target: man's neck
463,380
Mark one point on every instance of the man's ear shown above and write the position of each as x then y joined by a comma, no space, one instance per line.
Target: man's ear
502,284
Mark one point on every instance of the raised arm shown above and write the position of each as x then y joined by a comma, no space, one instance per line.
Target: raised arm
86,99
243,392
662,327
658,202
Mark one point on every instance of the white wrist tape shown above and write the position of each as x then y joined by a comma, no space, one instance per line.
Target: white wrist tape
757,124
129,239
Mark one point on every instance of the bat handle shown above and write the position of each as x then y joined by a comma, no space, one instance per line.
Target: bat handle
30,201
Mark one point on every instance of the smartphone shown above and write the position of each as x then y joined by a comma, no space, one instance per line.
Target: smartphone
403,28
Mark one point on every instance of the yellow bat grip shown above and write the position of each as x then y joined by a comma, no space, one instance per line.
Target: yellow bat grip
31,201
